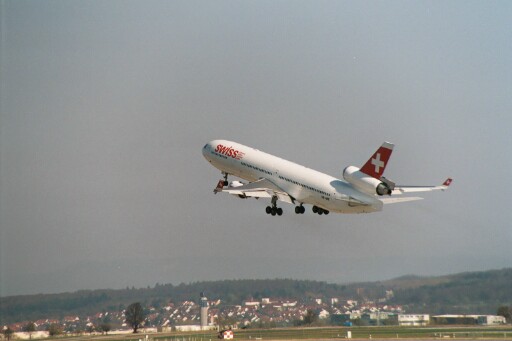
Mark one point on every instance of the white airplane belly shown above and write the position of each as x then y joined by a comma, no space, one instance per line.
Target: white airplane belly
349,200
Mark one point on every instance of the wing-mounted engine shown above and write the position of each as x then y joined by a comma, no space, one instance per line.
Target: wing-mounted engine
366,183
235,183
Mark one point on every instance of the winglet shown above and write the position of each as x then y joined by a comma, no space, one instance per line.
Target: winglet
376,165
447,183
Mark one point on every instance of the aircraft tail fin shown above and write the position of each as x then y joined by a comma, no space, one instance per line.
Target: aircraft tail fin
377,163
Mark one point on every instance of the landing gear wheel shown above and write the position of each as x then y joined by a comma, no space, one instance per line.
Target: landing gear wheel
268,209
319,210
274,209
225,179
297,210
302,209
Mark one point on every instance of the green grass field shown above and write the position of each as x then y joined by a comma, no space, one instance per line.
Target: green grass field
360,333
494,333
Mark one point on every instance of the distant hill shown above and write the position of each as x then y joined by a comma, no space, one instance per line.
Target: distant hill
469,292
412,281
473,292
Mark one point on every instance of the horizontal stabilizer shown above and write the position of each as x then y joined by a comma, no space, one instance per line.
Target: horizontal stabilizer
412,189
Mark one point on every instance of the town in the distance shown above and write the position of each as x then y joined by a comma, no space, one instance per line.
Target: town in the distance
211,314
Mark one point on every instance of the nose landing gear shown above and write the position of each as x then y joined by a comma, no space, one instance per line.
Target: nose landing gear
221,184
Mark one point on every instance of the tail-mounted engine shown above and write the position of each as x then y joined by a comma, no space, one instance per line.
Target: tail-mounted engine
366,183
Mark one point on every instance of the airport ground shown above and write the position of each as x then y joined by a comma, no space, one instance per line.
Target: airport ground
328,333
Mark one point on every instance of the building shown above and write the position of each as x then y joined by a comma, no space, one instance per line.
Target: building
323,314
485,320
413,319
340,319
204,311
252,303
491,320
377,318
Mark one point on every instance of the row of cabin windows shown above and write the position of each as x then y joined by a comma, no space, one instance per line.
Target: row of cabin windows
304,186
286,179
256,168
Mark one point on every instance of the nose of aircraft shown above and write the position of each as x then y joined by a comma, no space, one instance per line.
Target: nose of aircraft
206,150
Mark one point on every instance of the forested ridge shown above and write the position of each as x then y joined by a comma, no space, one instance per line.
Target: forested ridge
472,292
465,293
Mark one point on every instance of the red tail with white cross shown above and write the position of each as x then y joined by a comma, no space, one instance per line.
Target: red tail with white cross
377,163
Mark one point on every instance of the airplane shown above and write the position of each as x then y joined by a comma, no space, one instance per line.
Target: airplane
362,190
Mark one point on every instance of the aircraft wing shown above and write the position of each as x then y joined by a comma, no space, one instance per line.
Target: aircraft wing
398,200
262,188
411,189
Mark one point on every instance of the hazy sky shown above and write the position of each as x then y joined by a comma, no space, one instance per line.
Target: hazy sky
105,106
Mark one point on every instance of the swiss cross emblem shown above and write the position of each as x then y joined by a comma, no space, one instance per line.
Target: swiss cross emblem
378,163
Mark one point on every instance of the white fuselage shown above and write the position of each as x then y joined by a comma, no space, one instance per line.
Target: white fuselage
305,185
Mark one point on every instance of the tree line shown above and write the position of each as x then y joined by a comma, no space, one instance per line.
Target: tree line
475,292
466,293
134,317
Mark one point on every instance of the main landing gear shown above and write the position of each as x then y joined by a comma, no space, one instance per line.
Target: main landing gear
300,209
274,209
319,210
